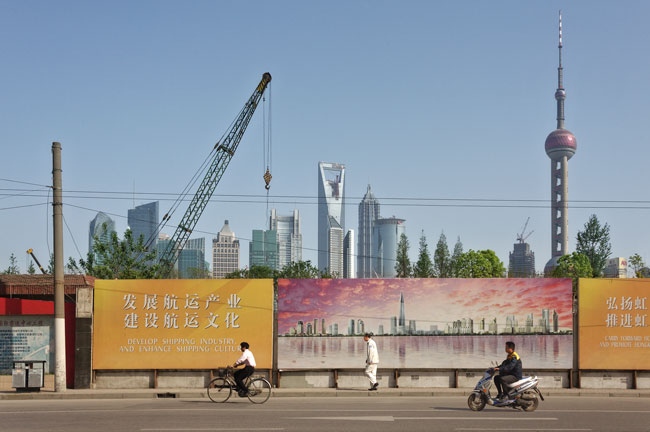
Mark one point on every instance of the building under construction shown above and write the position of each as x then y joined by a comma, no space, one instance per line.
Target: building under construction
522,259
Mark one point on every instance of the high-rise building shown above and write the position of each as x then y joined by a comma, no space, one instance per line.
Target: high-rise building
522,261
191,260
560,146
556,321
393,325
143,221
368,214
546,320
335,329
300,327
401,324
101,227
349,258
289,237
263,249
387,232
225,252
380,330
351,328
331,217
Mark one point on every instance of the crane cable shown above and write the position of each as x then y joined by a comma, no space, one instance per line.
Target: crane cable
267,148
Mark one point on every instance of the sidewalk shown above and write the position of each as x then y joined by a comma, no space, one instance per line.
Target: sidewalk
290,392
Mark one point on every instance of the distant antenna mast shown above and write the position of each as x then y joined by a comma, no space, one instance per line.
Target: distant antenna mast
521,238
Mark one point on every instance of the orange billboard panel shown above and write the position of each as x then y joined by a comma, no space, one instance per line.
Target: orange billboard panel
614,323
181,324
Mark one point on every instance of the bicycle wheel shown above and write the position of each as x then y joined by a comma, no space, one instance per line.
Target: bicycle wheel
219,390
259,390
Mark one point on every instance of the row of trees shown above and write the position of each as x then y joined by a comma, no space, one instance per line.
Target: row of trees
459,264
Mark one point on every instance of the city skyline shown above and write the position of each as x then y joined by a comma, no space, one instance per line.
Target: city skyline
501,83
435,302
547,323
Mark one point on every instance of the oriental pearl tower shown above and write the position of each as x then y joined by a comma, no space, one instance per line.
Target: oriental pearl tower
560,146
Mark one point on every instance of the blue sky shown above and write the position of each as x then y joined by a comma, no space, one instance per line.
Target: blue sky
420,99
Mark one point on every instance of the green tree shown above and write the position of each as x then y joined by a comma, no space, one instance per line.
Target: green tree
423,267
120,259
593,242
300,270
479,264
403,264
13,268
636,262
31,269
441,259
453,262
574,266
255,272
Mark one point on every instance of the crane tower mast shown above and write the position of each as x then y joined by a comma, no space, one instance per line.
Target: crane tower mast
225,150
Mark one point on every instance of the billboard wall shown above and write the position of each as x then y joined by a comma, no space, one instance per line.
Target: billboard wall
424,323
181,324
614,324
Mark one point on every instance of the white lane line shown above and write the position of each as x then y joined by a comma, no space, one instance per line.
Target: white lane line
391,418
481,418
362,418
213,429
518,429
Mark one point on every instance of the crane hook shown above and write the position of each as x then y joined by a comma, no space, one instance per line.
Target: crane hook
267,179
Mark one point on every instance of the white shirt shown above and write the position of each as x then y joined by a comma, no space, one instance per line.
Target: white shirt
246,358
372,353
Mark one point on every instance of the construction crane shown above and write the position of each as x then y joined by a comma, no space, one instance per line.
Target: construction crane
224,150
31,252
521,238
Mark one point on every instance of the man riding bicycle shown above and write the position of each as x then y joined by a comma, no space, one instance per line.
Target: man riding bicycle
248,360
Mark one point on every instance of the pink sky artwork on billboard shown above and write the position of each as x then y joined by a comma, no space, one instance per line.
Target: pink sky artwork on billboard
430,303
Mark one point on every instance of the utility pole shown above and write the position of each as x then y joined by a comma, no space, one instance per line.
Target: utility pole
59,284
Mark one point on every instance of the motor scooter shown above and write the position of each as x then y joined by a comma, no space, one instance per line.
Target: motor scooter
522,394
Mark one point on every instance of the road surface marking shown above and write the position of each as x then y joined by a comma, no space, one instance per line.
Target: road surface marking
518,429
213,429
392,418
362,418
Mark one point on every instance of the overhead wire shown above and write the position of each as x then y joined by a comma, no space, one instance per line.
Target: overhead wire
421,202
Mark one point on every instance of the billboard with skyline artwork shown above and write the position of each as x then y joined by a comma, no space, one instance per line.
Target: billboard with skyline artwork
424,323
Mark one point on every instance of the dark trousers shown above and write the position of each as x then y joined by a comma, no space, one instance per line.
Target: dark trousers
241,375
500,382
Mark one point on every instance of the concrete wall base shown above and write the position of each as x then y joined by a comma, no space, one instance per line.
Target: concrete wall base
606,380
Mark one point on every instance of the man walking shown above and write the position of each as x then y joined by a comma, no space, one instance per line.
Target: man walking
372,359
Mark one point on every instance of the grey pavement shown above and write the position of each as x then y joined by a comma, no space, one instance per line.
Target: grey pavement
196,393
315,414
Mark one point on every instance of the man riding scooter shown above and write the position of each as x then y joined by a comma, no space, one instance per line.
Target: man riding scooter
509,371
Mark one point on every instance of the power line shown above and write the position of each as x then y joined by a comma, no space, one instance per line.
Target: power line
456,203
22,206
23,182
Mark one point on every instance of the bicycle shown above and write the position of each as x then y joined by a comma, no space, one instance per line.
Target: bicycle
220,388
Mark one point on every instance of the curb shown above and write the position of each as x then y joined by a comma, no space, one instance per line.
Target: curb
296,393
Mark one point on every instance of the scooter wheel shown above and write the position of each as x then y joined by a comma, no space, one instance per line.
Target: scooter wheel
529,401
476,401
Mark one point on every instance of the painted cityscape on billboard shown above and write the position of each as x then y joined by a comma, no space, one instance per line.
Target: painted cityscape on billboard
435,323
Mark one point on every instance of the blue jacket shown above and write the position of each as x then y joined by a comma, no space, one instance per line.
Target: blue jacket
511,366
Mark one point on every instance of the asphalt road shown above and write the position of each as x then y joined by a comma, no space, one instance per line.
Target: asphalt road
314,414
